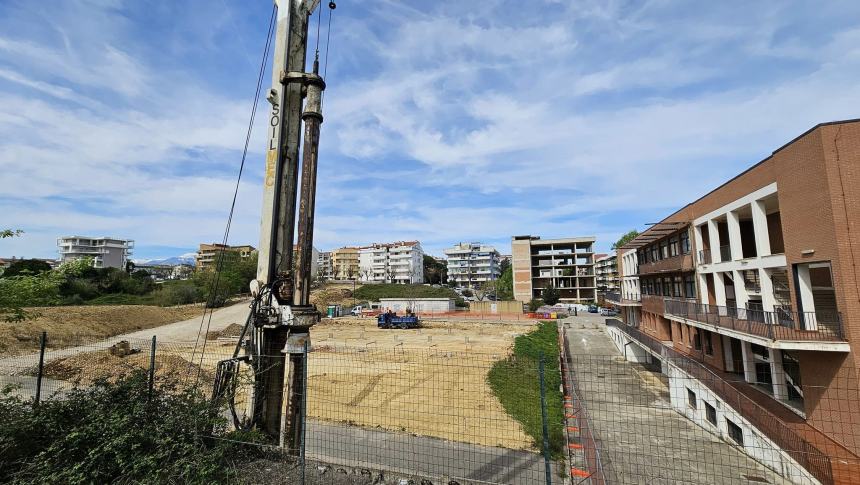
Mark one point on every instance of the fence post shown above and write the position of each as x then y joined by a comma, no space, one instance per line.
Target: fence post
304,408
151,366
544,421
41,370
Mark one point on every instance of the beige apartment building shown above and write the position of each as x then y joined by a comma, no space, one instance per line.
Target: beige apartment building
207,254
344,263
757,283
566,264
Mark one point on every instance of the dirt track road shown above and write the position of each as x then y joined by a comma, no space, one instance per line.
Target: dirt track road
184,331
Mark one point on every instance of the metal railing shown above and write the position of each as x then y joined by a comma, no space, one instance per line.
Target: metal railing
617,296
704,256
780,324
802,451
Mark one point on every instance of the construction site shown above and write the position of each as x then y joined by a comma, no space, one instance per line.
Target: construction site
731,362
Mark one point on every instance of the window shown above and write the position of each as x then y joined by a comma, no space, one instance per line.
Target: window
685,242
689,286
710,413
709,343
667,287
697,338
664,249
673,246
691,399
654,254
735,432
677,287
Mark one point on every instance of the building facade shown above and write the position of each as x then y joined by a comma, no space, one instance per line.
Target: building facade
207,254
757,282
106,252
472,264
344,263
566,264
324,267
397,262
606,273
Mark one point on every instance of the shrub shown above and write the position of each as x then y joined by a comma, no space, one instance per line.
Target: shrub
534,304
118,432
551,295
25,267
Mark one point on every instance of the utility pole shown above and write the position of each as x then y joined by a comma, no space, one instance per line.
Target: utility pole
283,315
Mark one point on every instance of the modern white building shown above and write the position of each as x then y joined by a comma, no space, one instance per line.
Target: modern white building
472,264
606,270
397,262
324,267
106,252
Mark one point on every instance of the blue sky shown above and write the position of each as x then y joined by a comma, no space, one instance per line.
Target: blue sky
444,121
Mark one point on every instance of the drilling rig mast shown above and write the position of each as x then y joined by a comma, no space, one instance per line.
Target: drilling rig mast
277,333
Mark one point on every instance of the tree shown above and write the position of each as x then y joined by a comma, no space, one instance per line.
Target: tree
505,284
551,295
626,238
26,267
434,271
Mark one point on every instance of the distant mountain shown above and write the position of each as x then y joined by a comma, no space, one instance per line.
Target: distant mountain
173,261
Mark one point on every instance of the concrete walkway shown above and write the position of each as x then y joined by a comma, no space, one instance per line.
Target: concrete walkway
642,439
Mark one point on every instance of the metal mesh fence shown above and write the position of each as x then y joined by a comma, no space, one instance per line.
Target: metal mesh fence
612,411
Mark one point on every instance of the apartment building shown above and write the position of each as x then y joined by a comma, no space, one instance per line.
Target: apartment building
757,283
344,263
472,264
106,252
207,254
397,262
606,273
324,267
566,264
627,296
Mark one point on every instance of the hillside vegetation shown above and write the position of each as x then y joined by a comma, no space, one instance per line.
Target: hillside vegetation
375,292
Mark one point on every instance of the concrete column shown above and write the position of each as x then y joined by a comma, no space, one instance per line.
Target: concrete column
777,375
735,236
719,290
804,290
749,361
727,353
714,237
762,238
767,299
703,288
741,295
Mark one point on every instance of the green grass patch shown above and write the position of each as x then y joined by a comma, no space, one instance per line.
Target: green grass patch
388,290
516,382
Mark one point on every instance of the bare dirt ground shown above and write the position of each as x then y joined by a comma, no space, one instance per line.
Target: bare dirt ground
68,325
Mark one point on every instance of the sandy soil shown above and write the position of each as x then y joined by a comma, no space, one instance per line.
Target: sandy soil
69,325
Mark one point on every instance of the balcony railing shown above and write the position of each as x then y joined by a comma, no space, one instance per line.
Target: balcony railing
781,324
704,256
805,453
681,262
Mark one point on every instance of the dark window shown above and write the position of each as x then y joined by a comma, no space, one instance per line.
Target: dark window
690,286
697,338
667,287
678,287
691,398
710,413
709,343
664,249
685,242
735,432
654,254
673,246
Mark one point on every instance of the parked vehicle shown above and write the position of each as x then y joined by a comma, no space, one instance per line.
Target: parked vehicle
390,319
608,312
592,309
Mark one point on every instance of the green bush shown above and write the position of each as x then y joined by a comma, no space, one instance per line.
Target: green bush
25,267
516,382
534,304
119,433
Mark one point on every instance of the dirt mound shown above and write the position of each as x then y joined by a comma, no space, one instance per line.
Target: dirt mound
332,295
232,330
72,325
88,367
